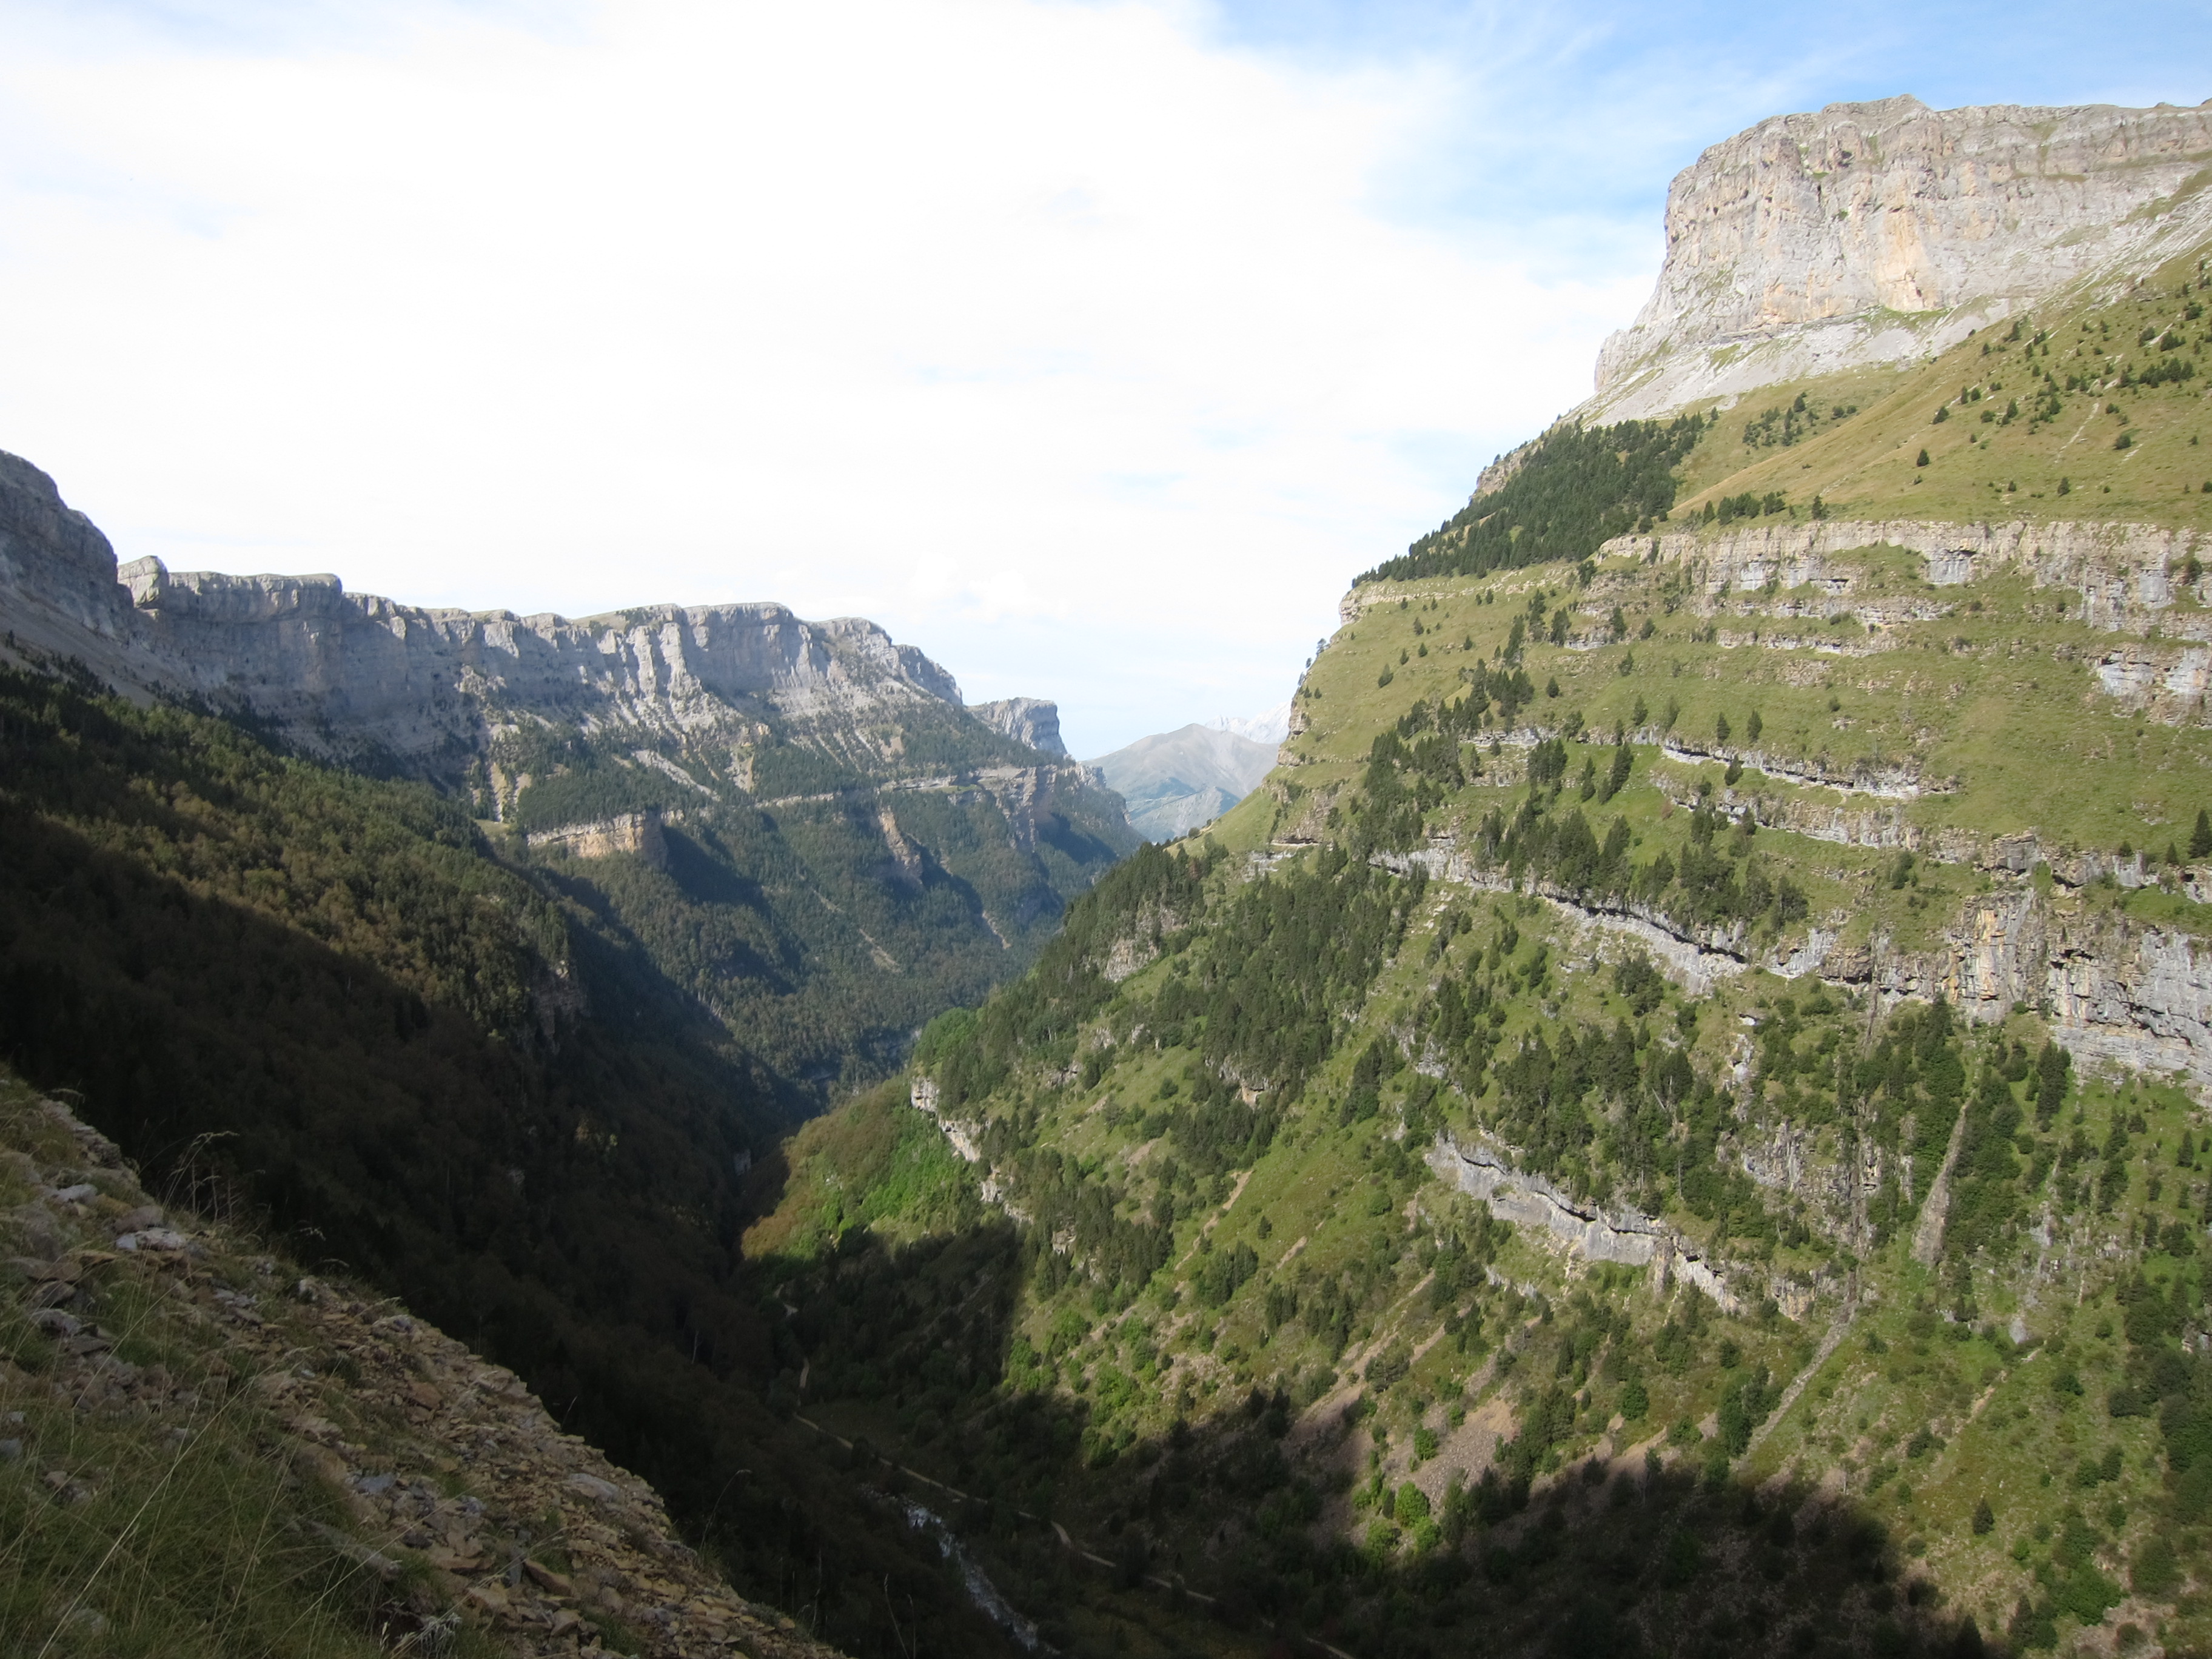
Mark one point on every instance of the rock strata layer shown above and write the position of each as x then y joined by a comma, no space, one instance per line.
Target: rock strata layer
1878,231
1031,721
352,677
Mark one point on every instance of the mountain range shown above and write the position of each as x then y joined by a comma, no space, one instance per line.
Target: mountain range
821,843
1666,1116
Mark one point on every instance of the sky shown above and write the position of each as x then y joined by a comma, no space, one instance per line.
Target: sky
1093,348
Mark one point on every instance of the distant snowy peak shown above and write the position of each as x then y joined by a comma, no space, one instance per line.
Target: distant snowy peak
1272,726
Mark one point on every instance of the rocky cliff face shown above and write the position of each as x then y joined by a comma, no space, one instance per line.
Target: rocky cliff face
2112,989
1033,722
698,693
2125,576
1872,233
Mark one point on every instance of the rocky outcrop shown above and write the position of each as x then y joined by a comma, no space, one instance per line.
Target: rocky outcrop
966,1139
1033,722
638,834
2120,577
2112,988
1494,475
1694,959
2125,573
1873,233
1591,1230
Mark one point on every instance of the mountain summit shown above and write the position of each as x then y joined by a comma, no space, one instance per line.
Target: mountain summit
1176,782
1880,232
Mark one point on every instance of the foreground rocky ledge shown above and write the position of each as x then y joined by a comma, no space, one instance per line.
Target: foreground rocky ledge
459,1492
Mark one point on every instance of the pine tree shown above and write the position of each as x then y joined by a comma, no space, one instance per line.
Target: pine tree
2200,838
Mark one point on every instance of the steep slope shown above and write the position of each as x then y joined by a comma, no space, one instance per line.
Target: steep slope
1876,234
209,1451
326,1003
1614,1171
1176,782
799,823
1673,1120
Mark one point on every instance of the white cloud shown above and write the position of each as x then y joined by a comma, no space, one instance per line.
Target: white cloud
1072,348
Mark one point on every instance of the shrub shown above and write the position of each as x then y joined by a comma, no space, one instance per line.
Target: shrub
2156,1570
1683,1559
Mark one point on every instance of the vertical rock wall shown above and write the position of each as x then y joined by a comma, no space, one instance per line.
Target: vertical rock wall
1872,233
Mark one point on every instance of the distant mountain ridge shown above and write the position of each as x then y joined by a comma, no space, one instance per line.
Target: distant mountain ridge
347,675
1177,781
850,847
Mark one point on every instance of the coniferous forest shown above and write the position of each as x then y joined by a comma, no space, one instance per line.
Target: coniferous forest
1575,487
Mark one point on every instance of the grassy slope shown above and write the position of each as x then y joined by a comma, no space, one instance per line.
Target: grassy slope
1989,689
1327,1201
1864,466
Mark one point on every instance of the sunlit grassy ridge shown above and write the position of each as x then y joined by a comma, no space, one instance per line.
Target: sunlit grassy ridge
2093,407
1985,694
1256,1334
2039,435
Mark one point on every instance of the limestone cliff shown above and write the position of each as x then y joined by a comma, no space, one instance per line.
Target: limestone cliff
700,695
1033,722
1875,232
340,672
